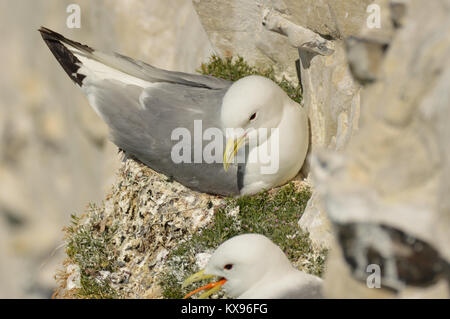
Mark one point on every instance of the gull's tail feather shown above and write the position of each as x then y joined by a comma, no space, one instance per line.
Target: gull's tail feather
80,61
83,62
64,51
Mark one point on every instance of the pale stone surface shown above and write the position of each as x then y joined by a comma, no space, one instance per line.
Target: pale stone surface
298,36
331,93
315,221
333,101
54,153
395,171
235,28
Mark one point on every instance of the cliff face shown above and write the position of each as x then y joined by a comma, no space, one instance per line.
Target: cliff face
389,183
378,105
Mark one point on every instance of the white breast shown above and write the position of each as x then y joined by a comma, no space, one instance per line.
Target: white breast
293,140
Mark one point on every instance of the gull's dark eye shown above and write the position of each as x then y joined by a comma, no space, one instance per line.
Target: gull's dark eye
228,267
253,117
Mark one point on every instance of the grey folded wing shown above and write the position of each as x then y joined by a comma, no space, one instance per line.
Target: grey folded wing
142,120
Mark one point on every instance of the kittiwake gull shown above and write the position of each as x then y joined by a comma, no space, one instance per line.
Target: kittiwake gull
251,266
143,106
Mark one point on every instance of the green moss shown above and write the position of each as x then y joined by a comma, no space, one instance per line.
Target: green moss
235,69
89,246
275,216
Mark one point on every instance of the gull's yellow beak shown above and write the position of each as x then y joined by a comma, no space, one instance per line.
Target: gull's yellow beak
233,145
211,287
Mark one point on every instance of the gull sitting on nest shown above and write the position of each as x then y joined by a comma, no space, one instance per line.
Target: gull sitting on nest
251,266
143,106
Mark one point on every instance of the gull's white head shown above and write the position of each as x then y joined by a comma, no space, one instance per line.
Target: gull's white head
250,104
253,102
242,262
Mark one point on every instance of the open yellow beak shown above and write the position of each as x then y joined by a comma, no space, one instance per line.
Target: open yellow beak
233,145
210,288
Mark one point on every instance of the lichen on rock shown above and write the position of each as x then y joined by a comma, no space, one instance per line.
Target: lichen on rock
131,233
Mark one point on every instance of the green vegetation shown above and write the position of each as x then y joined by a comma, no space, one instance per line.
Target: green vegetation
91,249
275,216
235,69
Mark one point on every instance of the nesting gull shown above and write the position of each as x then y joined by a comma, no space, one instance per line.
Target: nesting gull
250,266
143,106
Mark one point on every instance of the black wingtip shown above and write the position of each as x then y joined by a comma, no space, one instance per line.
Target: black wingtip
48,34
69,62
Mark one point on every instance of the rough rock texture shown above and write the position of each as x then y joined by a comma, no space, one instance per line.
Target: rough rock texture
54,153
235,27
144,218
387,195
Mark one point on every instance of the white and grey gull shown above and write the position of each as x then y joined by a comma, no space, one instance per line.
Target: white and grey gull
251,266
143,105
